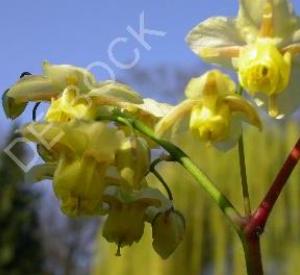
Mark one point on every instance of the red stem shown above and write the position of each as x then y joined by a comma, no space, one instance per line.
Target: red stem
253,255
259,219
256,223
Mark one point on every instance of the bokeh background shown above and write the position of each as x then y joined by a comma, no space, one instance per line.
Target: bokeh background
35,238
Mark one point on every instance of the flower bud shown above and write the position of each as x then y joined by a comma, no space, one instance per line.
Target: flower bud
167,231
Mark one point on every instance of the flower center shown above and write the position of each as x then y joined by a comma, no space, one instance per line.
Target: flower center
70,106
211,125
261,78
263,69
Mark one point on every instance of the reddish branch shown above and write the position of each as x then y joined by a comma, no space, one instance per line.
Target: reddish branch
259,219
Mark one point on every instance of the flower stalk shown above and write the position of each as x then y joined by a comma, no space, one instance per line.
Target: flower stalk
244,180
160,178
243,168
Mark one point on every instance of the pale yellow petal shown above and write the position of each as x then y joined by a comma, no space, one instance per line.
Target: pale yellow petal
103,140
155,108
63,76
234,134
133,160
28,88
238,104
216,40
79,184
56,137
289,100
174,116
116,91
250,19
32,88
213,82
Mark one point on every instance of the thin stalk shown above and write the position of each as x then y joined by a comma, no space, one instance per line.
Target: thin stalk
243,168
154,163
34,110
163,182
159,176
244,180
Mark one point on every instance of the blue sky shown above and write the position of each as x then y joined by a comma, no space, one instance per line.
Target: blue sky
80,32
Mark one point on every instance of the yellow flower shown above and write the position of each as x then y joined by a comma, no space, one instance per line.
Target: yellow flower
74,93
262,68
50,84
212,111
127,214
82,153
262,44
66,86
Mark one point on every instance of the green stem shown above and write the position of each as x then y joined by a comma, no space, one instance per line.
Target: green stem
244,181
243,170
178,155
250,240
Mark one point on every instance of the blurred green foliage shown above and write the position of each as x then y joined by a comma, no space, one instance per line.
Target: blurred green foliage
20,250
210,245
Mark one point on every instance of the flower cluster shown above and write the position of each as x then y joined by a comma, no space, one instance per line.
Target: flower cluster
262,44
100,167
97,167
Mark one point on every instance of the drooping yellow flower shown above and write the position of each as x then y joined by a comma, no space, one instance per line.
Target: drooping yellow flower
213,111
54,80
262,68
127,214
262,44
82,153
65,86
73,93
